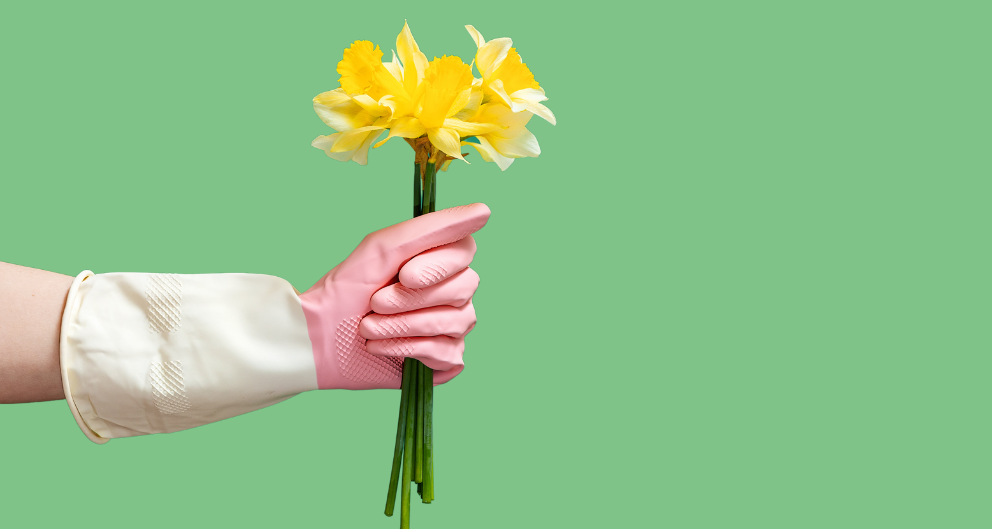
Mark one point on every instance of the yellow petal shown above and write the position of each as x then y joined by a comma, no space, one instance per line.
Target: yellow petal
491,55
476,36
446,140
537,109
325,143
362,72
361,156
460,102
497,112
514,73
464,128
490,154
445,80
352,140
519,145
404,128
333,98
497,88
472,107
395,68
343,114
371,105
357,68
414,62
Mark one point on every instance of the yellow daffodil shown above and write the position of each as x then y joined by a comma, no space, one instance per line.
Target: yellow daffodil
437,101
504,75
360,121
372,95
508,140
447,90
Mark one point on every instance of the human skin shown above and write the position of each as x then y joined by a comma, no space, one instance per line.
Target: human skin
31,303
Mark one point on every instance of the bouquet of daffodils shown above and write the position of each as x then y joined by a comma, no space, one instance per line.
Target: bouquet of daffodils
437,107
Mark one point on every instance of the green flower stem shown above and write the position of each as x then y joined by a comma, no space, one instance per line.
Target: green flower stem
433,188
414,432
428,187
418,196
419,464
428,495
394,476
421,391
408,452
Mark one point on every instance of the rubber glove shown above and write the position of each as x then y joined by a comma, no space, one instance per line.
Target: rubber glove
154,353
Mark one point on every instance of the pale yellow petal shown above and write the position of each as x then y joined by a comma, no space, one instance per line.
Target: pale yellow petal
446,140
535,95
352,140
491,55
464,128
325,143
519,145
482,152
388,102
497,87
343,117
539,110
529,99
476,36
332,98
361,155
490,154
497,112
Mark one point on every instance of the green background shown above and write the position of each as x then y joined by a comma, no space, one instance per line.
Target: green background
746,284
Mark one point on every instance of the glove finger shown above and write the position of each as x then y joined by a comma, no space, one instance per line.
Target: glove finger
436,265
455,322
436,352
440,377
381,254
454,291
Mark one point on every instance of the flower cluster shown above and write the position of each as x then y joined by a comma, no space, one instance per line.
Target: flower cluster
439,100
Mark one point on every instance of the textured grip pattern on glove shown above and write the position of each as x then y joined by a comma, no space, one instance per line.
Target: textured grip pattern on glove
388,327
168,389
404,298
432,274
164,293
357,364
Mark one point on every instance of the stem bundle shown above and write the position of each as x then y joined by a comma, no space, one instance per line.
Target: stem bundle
414,449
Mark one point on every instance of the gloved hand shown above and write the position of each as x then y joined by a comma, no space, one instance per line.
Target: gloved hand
425,316
153,353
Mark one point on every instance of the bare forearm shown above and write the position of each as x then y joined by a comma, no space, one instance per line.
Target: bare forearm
31,303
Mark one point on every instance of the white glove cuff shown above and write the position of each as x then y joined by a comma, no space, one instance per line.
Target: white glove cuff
156,353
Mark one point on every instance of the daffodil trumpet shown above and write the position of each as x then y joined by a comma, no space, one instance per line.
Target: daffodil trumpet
437,107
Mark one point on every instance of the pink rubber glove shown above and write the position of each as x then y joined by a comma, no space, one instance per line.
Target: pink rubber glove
425,315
